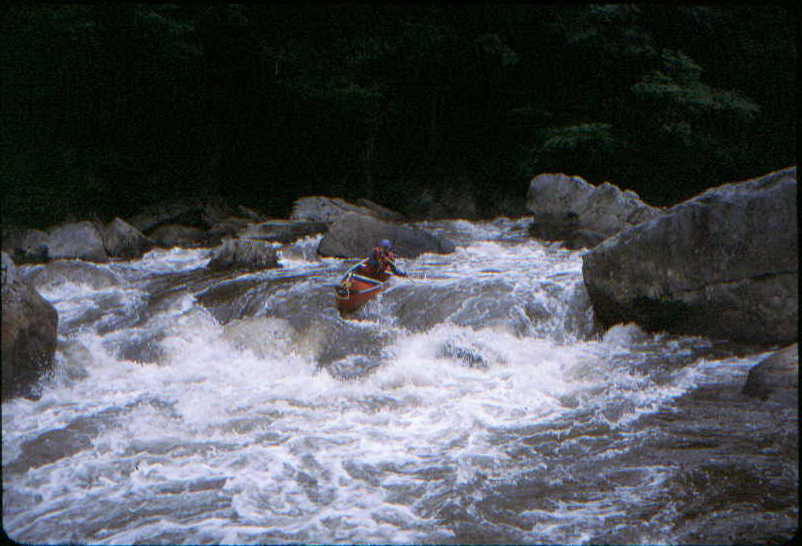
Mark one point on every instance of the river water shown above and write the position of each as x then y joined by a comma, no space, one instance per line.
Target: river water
475,402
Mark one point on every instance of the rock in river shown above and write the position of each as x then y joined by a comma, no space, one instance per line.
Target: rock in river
29,327
723,264
776,377
354,235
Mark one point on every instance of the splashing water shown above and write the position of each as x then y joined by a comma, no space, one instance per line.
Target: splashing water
475,402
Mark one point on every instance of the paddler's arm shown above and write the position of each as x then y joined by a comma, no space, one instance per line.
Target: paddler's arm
395,269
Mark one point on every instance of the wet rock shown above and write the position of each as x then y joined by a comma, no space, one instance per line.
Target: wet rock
172,235
244,254
143,349
122,240
723,264
26,245
75,359
283,231
355,235
318,208
470,355
75,272
79,240
569,208
776,377
583,238
29,329
352,367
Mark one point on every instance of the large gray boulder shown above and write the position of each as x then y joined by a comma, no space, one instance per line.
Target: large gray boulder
244,254
567,207
122,240
355,235
723,264
29,330
78,240
776,378
317,208
26,245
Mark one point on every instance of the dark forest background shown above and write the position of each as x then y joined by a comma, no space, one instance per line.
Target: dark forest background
108,108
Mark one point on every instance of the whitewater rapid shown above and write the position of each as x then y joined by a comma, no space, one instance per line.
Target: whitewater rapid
475,402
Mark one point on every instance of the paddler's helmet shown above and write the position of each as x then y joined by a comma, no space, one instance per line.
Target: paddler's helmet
386,244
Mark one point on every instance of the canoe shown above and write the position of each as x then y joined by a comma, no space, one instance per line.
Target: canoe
357,288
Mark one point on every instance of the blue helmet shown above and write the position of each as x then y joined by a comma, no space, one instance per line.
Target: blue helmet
385,243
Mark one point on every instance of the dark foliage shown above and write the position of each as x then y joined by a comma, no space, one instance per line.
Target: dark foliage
109,108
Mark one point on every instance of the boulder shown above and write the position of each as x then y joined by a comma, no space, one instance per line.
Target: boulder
29,330
723,264
283,231
318,208
244,254
776,377
355,235
563,204
122,240
583,238
26,245
171,235
78,240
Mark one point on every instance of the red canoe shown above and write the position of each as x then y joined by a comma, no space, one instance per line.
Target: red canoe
357,288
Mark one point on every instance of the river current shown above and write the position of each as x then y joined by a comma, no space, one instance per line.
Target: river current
474,402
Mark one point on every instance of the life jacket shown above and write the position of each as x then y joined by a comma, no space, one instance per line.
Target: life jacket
383,259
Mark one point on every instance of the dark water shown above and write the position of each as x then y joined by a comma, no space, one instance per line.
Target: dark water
477,403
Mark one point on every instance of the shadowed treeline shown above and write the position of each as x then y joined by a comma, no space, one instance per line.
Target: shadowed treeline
107,109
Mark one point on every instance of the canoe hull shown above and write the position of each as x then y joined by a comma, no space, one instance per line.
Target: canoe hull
356,289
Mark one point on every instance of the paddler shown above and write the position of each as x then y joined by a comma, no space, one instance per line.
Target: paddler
382,259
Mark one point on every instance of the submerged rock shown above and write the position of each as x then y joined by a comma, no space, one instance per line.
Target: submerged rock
74,272
29,330
723,264
353,367
470,355
776,377
355,235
